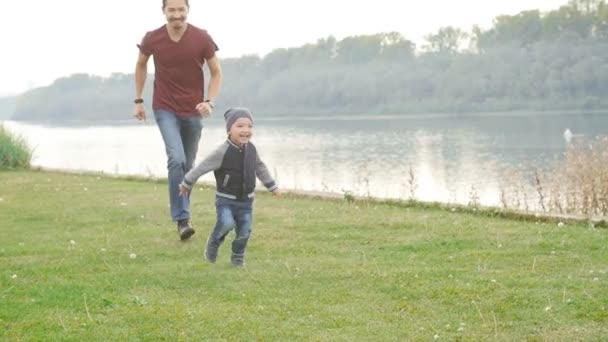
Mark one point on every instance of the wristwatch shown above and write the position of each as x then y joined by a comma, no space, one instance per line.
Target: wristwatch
211,103
139,100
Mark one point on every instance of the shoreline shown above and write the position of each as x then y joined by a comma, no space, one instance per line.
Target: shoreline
594,221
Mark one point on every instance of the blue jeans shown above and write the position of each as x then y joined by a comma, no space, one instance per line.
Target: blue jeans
181,136
233,214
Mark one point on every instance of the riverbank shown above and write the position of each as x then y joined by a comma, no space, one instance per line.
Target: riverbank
89,257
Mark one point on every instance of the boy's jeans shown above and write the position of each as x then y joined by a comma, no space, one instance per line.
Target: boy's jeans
232,214
181,136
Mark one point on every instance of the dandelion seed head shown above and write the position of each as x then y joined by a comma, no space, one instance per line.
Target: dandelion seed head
493,280
123,204
547,309
436,337
85,189
103,249
1,199
14,276
596,279
561,224
460,329
72,242
132,255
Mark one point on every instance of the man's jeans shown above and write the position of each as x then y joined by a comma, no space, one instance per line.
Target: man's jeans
181,136
232,214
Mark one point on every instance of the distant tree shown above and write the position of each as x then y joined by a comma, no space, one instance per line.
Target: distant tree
447,40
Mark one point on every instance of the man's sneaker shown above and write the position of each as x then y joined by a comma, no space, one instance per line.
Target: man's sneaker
238,260
184,228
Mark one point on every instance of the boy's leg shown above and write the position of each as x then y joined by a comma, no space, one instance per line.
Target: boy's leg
169,126
225,223
244,224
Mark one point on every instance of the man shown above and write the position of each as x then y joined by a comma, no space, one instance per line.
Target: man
179,102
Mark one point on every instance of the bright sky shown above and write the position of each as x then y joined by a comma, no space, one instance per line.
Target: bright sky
55,38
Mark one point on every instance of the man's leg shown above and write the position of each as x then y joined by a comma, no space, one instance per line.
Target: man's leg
169,126
191,130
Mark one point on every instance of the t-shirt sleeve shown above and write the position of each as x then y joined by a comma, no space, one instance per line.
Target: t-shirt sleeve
210,47
145,45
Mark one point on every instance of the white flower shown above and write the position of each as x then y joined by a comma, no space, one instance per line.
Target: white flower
1,199
14,276
436,337
132,255
72,242
103,249
547,309
86,189
596,279
561,224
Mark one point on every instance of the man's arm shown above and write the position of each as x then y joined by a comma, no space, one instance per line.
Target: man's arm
141,72
215,81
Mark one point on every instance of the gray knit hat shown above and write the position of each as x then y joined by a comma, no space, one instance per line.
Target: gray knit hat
234,113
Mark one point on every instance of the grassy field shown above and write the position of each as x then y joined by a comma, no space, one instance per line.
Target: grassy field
91,258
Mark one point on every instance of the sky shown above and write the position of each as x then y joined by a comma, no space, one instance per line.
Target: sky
49,39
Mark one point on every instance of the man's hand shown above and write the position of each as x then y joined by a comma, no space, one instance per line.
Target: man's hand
204,109
183,191
140,112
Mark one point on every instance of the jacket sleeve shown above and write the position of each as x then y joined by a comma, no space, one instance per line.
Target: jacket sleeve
261,171
211,163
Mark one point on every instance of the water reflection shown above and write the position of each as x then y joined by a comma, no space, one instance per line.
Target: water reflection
453,159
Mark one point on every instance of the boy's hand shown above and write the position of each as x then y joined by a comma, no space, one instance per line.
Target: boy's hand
183,190
277,193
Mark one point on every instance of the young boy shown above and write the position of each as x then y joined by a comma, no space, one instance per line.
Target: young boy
236,165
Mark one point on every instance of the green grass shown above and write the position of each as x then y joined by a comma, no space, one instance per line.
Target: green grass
14,153
317,270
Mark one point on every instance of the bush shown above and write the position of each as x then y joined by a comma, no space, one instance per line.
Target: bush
14,152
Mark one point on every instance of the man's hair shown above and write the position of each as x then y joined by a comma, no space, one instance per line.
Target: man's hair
165,4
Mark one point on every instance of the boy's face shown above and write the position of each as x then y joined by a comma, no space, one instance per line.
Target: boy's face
241,131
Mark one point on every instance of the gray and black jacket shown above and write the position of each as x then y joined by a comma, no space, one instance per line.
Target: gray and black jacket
235,171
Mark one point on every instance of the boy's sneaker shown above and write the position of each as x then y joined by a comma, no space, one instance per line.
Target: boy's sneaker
184,228
211,251
238,260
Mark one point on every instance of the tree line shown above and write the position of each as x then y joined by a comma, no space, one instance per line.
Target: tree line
556,60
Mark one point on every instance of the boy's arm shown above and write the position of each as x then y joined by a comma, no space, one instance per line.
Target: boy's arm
211,163
262,173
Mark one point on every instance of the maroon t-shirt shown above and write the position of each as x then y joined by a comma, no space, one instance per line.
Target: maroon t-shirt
178,83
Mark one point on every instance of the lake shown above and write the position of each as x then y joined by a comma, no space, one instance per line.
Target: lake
447,158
